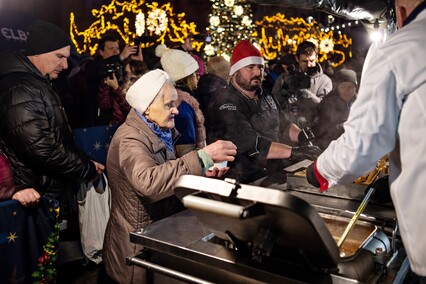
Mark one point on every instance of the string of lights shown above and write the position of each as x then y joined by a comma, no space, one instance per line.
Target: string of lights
130,19
230,21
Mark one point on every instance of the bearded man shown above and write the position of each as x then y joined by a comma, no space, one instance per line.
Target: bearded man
252,119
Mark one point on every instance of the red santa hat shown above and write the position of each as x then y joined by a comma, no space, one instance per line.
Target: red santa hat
244,54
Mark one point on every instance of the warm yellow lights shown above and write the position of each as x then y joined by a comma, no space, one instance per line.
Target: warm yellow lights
230,21
277,35
151,19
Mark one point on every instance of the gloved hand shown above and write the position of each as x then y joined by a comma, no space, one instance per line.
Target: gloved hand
306,136
315,178
310,152
381,193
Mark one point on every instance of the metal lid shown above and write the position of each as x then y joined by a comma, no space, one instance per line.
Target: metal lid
261,222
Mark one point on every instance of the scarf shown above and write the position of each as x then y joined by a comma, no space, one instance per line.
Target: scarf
164,135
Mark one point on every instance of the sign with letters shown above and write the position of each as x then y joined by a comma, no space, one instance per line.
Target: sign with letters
13,35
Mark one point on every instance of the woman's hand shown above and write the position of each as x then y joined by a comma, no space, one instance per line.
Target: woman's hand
215,172
28,197
221,150
112,83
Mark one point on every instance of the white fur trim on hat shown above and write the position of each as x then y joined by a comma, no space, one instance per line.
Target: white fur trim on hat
141,94
177,63
246,62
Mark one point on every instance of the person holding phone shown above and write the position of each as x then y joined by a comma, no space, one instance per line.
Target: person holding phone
108,63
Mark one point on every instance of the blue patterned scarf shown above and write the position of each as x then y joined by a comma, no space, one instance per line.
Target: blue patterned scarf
165,135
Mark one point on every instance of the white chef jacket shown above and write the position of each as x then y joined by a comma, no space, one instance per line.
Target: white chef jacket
389,116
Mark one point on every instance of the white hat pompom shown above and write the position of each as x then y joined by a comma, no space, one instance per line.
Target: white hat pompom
160,50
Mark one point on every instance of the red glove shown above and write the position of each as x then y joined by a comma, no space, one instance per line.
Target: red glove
315,178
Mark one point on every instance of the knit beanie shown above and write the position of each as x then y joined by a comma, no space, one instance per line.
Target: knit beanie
244,54
44,37
346,75
141,94
177,63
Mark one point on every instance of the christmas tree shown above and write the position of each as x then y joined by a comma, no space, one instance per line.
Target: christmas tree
230,22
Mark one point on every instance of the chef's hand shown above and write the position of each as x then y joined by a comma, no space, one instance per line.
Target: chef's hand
315,178
306,136
310,152
381,193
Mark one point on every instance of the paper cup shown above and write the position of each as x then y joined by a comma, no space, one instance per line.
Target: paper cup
219,165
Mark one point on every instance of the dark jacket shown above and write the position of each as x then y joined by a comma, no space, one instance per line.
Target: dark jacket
208,85
332,113
34,132
95,71
109,98
252,125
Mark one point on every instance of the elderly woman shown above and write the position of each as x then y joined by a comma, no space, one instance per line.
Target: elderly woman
143,168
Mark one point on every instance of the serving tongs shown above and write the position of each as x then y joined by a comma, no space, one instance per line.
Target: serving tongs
360,209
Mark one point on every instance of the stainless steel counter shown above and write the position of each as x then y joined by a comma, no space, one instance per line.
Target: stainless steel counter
183,246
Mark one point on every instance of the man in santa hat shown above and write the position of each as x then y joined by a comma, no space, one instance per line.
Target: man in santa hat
251,118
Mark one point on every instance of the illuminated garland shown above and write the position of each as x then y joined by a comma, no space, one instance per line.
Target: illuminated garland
277,34
161,23
140,24
230,22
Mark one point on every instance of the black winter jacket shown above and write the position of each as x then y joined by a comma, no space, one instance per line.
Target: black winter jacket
332,113
34,132
208,85
252,125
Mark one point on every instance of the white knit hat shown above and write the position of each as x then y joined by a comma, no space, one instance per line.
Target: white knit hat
141,94
177,63
244,54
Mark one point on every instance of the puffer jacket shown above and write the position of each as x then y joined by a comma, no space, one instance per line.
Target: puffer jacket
141,173
34,132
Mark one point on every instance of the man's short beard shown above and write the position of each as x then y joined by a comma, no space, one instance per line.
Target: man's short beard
246,86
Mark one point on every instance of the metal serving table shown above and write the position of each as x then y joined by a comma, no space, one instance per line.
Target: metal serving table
250,234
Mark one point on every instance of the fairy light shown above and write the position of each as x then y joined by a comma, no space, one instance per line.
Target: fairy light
230,22
130,19
277,33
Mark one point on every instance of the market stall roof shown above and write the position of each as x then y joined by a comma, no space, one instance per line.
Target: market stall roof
368,10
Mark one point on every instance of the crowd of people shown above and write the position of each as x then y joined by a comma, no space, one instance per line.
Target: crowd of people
181,115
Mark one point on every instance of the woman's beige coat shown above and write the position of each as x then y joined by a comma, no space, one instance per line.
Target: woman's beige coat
141,173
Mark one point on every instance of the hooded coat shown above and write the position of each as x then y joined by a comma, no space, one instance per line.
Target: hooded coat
142,173
320,86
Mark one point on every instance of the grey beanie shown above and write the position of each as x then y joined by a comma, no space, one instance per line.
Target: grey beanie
44,37
346,75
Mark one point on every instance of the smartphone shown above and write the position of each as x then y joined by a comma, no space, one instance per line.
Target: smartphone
137,43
